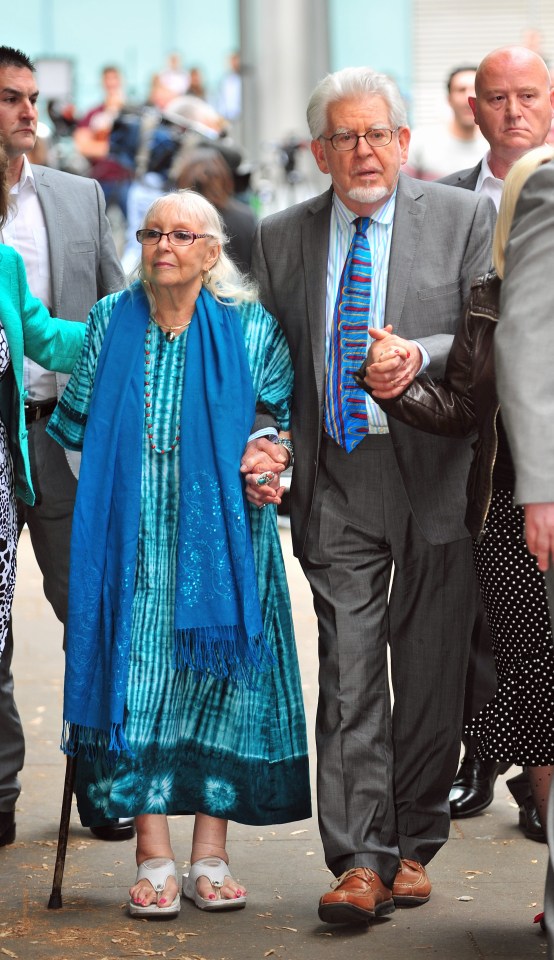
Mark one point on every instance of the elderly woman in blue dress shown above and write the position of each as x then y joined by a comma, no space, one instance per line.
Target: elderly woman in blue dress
182,691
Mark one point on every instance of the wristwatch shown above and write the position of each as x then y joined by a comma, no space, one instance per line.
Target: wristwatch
284,442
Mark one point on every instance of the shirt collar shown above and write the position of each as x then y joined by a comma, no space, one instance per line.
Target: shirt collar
486,173
27,177
384,214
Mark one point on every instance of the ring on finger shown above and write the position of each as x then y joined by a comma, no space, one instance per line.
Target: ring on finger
264,478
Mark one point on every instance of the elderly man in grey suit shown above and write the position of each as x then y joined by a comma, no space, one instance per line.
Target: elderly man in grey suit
59,226
524,348
367,494
513,108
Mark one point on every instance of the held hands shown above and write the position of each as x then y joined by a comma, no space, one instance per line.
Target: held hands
264,461
539,533
392,364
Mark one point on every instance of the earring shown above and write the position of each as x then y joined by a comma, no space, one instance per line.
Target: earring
206,277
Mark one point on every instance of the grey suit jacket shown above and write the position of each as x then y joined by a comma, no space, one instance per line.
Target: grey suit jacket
84,266
524,341
83,262
441,240
463,178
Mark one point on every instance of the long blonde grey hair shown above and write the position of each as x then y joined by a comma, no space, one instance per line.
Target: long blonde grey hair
515,181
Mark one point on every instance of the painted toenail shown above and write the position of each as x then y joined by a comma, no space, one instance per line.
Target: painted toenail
211,896
163,900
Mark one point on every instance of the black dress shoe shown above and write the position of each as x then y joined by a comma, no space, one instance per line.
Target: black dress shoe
123,829
7,828
529,822
473,788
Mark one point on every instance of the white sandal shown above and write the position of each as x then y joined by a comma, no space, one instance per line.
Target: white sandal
156,871
215,870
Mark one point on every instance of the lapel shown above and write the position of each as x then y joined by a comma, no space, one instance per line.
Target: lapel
54,228
467,179
469,182
315,252
408,221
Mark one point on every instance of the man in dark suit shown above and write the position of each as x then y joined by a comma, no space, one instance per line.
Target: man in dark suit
396,498
58,225
513,108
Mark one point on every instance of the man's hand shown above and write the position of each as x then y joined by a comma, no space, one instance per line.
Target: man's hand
264,461
393,363
539,533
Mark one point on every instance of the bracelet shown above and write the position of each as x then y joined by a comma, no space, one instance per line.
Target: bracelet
288,446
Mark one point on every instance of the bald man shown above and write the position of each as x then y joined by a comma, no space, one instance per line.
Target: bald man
513,108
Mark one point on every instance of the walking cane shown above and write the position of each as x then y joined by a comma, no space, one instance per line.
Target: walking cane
55,901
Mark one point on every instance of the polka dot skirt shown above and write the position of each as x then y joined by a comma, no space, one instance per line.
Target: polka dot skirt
518,723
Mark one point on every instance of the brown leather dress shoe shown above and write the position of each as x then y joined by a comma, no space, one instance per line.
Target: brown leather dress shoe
358,896
411,886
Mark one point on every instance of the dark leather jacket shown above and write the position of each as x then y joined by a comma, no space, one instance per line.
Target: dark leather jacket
465,402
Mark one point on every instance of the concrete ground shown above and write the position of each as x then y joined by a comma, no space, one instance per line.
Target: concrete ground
488,880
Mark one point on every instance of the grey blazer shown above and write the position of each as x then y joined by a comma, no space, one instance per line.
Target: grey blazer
463,178
524,341
84,266
441,240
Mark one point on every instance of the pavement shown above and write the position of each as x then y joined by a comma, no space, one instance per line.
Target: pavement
488,879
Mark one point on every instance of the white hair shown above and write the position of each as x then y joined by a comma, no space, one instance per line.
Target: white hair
354,82
225,281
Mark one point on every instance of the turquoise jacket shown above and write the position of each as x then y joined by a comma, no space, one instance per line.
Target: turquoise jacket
30,331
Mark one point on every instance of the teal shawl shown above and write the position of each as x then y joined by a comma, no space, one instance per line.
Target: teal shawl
218,623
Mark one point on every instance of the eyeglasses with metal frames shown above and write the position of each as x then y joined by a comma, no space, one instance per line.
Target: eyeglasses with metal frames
179,238
347,140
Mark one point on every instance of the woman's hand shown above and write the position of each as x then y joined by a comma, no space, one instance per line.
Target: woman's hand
393,363
539,533
262,463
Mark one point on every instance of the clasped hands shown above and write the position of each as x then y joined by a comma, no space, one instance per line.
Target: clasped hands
262,456
392,363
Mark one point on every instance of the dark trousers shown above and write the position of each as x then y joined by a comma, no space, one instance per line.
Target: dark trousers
481,683
49,522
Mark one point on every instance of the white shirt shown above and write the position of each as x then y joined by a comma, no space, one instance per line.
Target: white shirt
26,232
488,184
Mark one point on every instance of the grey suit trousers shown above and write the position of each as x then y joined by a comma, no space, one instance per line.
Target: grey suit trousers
49,522
384,775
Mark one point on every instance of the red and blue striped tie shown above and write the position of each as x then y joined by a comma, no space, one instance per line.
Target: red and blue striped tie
345,402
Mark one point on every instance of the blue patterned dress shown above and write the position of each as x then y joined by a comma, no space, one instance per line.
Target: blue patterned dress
198,744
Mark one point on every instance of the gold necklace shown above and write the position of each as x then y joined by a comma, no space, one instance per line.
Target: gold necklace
169,331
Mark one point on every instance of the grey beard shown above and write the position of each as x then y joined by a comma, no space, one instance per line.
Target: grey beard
368,194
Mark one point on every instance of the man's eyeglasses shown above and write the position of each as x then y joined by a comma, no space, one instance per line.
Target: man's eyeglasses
179,238
348,140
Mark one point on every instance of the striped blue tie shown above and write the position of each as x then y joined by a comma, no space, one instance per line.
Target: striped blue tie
345,402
